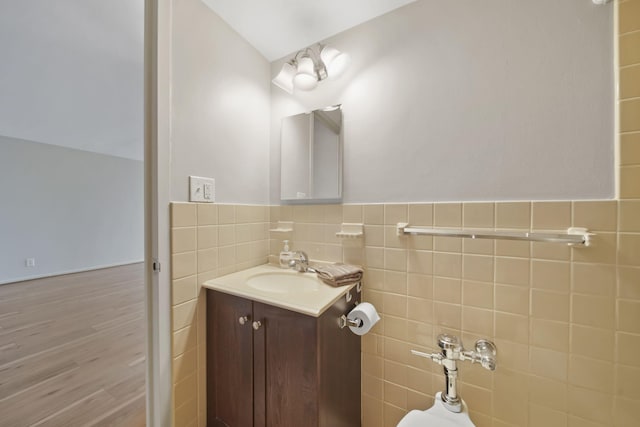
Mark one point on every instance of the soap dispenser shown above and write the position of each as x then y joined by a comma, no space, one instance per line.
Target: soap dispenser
285,255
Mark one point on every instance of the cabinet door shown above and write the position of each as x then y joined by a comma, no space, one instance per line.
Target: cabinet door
229,361
285,349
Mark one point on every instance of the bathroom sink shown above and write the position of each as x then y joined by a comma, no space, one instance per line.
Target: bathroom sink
283,283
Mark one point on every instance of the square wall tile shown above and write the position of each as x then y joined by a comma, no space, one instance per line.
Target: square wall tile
630,182
549,363
628,16
184,365
629,249
420,262
602,251
186,414
183,265
421,214
551,275
185,391
183,290
477,320
591,373
207,260
352,213
596,216
552,251
547,392
478,268
513,215
207,236
549,305
513,248
226,214
630,149
183,214
629,82
447,315
184,340
626,413
629,316
420,285
628,348
590,404
333,214
551,215
478,215
512,327
373,214
395,213
512,299
447,244
184,315
512,271
207,214
447,265
550,335
183,239
584,337
630,115
629,283
478,246
447,290
629,216
594,311
447,215
594,279
543,416
628,49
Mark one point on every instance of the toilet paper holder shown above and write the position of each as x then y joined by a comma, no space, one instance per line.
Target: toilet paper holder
343,322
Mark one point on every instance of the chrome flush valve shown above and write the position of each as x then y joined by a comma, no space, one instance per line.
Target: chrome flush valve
451,352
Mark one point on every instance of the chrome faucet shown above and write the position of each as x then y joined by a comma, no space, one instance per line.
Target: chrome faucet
300,262
451,352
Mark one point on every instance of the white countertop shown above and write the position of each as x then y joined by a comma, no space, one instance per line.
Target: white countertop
310,302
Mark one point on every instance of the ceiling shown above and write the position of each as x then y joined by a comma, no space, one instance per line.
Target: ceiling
279,27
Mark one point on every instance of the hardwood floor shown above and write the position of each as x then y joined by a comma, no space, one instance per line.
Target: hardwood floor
72,350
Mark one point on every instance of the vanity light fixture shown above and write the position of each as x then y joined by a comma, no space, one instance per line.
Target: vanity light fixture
310,66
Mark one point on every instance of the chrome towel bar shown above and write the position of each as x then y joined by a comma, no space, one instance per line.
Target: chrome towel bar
578,237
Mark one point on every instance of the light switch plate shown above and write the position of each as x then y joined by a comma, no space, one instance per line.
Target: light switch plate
202,189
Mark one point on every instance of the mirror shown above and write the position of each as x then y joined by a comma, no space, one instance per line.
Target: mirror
311,156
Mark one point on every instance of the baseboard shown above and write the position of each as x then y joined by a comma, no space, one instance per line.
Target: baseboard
61,273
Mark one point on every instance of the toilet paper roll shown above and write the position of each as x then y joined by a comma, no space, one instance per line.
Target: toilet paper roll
366,315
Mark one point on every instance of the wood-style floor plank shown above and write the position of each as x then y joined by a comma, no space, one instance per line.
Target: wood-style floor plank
72,350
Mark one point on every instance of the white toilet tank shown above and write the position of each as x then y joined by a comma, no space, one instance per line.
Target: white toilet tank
437,416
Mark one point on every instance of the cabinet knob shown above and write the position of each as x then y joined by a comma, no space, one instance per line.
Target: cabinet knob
257,325
243,319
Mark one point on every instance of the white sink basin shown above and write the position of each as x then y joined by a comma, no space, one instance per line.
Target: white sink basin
283,283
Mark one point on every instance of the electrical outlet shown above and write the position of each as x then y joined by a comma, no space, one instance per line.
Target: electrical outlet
30,262
202,189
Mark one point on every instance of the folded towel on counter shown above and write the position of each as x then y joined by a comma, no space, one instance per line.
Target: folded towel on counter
339,274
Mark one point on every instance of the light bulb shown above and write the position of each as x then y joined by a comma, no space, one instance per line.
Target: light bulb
334,60
306,78
284,79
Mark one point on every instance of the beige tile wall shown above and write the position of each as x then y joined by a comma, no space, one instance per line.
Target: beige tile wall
207,241
566,321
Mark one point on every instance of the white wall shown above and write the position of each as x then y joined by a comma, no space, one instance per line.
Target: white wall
220,88
68,209
471,100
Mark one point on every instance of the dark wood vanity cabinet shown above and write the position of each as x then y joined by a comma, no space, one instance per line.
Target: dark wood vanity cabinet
289,370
